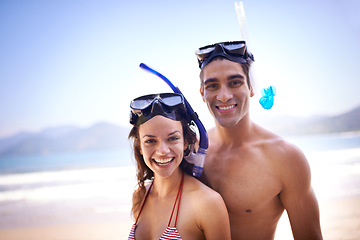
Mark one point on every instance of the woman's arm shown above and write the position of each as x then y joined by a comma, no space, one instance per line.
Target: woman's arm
214,218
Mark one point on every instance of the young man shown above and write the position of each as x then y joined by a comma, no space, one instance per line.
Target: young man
256,172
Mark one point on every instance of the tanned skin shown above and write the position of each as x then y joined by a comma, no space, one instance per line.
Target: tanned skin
258,174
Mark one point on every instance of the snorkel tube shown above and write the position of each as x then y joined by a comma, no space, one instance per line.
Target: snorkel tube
267,99
197,158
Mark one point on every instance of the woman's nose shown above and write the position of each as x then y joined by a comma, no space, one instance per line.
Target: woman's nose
163,148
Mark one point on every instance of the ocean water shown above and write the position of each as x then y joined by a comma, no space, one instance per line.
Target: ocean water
97,185
66,188
65,161
335,163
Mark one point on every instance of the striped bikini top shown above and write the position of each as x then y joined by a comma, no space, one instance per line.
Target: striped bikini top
170,233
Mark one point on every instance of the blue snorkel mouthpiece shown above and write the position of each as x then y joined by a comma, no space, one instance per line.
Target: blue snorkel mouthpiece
267,99
197,158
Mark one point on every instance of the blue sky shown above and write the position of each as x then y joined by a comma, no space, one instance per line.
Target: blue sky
76,62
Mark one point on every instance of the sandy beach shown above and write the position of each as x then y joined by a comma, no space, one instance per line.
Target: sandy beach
99,231
340,219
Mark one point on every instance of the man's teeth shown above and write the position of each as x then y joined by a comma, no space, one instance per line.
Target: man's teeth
227,108
163,161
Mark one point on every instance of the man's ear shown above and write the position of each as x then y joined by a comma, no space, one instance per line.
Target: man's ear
252,92
202,92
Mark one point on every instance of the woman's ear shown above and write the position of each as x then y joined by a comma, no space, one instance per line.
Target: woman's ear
140,150
186,145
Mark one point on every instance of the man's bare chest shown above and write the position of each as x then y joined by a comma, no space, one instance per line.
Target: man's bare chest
248,182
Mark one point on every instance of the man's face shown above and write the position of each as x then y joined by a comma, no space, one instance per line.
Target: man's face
226,92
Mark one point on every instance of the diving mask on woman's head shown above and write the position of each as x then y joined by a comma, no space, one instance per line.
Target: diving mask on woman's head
235,51
169,105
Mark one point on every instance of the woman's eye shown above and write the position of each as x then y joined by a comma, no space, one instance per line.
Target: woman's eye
150,141
174,138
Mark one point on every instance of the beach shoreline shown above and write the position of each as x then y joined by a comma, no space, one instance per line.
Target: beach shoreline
95,203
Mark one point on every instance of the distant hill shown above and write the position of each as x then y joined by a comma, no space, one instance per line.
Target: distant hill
110,136
347,122
66,139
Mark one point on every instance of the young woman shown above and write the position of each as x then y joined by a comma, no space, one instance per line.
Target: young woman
173,205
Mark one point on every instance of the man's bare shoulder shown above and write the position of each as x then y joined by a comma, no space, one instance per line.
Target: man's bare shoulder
279,150
276,143
289,158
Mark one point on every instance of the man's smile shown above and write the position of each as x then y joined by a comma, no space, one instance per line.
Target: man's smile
226,108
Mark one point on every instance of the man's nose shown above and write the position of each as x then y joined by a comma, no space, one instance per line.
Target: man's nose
224,94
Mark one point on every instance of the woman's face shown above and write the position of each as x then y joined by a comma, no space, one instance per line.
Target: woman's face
162,145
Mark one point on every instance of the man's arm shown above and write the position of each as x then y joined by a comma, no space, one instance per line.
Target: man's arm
298,197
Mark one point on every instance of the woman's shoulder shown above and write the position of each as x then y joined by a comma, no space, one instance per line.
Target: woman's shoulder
200,192
207,207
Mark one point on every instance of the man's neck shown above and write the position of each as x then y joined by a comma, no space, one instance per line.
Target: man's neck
236,135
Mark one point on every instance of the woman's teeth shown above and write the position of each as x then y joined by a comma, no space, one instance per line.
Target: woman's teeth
163,161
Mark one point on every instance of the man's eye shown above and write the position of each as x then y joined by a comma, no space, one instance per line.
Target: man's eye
236,83
211,86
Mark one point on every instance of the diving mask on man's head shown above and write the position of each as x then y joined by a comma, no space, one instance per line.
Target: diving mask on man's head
169,105
235,51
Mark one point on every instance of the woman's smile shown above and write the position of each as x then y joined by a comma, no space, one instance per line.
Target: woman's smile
162,162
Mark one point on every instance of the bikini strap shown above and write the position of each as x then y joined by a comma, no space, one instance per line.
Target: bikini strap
178,196
143,203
